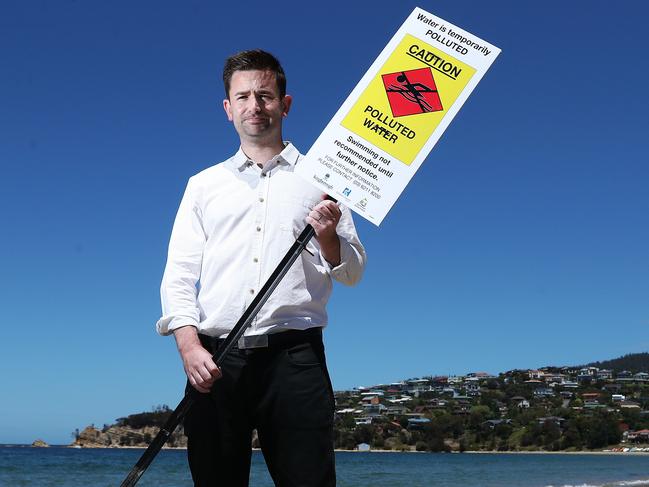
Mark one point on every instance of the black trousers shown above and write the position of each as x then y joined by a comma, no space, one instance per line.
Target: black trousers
285,392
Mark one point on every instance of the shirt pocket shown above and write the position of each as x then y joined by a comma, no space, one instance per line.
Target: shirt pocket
293,211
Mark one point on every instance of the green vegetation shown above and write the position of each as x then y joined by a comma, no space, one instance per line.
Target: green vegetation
157,417
551,409
633,362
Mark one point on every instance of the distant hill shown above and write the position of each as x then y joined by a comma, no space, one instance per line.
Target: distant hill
135,430
479,412
633,362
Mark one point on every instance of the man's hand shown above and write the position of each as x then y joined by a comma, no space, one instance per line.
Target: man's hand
200,368
324,218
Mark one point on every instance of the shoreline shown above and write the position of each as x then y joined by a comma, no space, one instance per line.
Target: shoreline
544,452
470,452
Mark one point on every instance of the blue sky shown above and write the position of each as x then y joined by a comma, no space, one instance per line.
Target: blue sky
521,242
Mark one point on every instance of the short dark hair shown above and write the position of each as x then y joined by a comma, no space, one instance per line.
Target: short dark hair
251,60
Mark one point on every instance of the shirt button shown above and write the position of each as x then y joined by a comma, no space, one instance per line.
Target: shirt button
255,260
261,200
263,174
259,229
252,291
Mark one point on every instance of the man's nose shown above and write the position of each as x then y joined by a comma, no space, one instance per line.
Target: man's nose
254,104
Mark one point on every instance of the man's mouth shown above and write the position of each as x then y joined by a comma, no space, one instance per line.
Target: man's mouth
256,120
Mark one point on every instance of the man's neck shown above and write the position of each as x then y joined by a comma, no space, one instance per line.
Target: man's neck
261,153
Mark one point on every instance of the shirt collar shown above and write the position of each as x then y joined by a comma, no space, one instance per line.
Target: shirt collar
289,155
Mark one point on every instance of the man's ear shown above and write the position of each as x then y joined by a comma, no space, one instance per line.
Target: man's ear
228,109
286,103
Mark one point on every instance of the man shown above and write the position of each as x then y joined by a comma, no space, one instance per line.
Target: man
235,222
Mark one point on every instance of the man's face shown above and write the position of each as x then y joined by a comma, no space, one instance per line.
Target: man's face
255,106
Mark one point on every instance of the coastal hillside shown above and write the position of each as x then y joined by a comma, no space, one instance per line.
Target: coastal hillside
598,406
633,362
136,430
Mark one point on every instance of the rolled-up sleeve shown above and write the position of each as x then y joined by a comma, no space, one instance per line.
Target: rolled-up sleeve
178,290
352,253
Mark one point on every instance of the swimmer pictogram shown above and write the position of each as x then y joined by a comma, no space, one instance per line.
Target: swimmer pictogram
412,92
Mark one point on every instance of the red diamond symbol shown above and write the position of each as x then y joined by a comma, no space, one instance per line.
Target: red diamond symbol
412,92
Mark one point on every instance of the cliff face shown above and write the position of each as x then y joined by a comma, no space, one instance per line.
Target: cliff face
124,436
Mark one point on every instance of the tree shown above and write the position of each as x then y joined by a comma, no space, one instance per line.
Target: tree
478,415
503,430
572,437
450,425
363,434
531,435
599,430
550,435
433,435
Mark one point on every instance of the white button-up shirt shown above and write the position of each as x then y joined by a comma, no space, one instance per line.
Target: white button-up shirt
235,222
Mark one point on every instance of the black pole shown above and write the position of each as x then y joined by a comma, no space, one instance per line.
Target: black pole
233,337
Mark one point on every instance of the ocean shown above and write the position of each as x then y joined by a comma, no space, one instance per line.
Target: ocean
67,467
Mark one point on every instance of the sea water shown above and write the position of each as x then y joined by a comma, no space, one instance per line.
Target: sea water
69,467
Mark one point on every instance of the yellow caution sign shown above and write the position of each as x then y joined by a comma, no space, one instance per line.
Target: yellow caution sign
380,136
412,92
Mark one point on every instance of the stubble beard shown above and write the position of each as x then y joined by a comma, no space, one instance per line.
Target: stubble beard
258,131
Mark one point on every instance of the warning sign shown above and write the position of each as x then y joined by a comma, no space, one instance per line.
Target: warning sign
411,92
403,105
397,112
